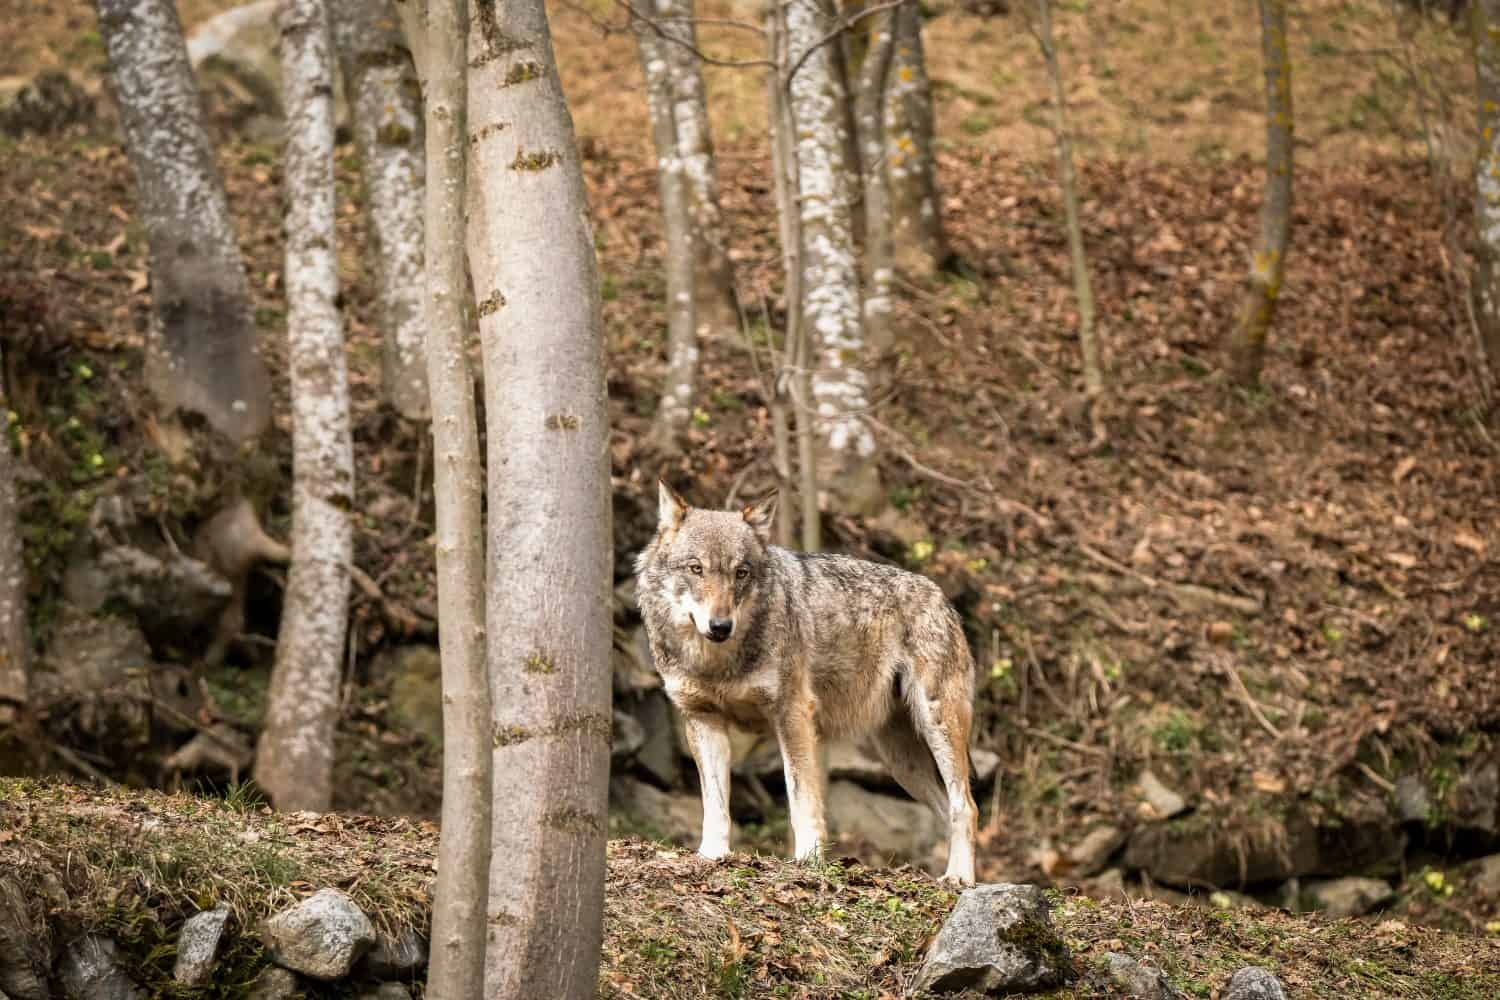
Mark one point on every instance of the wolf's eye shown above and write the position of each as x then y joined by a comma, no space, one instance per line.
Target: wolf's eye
695,569
742,572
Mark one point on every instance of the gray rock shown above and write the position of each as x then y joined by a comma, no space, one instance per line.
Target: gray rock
1251,983
676,818
415,674
1412,802
23,959
1139,980
198,946
1347,897
387,991
626,736
322,936
171,592
1476,798
894,827
275,983
658,756
1164,802
90,654
846,760
998,939
90,970
1487,875
986,763
633,669
1092,853
396,957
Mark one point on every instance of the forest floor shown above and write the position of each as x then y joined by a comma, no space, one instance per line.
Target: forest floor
134,865
1281,600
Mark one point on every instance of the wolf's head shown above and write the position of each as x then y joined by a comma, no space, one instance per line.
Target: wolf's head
708,564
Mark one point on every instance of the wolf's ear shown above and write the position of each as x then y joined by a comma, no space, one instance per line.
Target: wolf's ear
671,508
761,515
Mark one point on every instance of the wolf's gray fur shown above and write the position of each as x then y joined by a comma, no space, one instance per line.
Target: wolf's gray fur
811,647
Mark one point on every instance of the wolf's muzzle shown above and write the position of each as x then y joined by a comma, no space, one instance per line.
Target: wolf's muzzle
720,629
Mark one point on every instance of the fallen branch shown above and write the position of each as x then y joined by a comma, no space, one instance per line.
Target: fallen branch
1183,592
1064,742
1250,702
403,618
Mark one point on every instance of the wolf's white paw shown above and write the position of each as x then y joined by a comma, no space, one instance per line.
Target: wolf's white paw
958,880
713,852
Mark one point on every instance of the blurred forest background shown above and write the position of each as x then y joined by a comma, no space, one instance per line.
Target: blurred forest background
1234,635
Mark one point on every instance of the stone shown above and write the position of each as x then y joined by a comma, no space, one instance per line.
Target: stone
1110,884
387,991
633,669
986,765
894,827
321,937
998,939
1164,802
415,675
1476,798
169,595
845,760
89,654
1487,875
671,817
1091,854
1138,980
397,956
1412,802
1251,983
626,736
1347,897
90,970
275,983
1194,852
43,105
658,756
23,958
198,946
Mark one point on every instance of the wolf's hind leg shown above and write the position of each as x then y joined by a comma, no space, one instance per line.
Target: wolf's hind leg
798,736
944,723
708,741
899,746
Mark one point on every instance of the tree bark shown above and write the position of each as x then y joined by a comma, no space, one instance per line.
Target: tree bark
916,219
549,553
1093,376
461,896
1248,346
657,63
294,763
15,638
1486,45
200,345
869,118
830,290
715,299
386,106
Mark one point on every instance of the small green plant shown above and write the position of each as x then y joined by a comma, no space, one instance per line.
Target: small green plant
1176,733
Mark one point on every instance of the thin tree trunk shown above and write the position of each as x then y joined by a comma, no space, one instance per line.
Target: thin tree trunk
461,897
532,256
830,291
200,345
15,639
869,117
1093,377
1248,346
676,407
916,219
715,300
1486,46
294,763
386,107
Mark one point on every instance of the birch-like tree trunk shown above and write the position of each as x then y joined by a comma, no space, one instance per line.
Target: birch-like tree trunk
294,763
830,290
1248,344
461,897
15,639
657,59
916,219
386,106
715,300
1486,45
1093,376
200,345
531,253
869,119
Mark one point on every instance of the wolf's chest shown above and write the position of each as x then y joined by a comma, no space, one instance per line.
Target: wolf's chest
748,700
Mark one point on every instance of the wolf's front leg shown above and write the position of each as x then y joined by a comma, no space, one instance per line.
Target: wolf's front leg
708,741
798,737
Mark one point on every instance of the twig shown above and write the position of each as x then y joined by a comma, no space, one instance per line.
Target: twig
83,766
1250,702
398,615
845,22
1182,591
1381,783
1064,742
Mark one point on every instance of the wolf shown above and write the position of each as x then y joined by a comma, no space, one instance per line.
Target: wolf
810,647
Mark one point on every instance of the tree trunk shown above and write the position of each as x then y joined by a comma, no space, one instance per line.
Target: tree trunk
916,219
715,300
830,292
461,896
386,107
1248,347
200,345
294,763
869,118
15,639
531,253
1486,45
657,59
1093,377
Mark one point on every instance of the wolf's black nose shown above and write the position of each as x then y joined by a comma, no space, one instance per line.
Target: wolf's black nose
720,628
